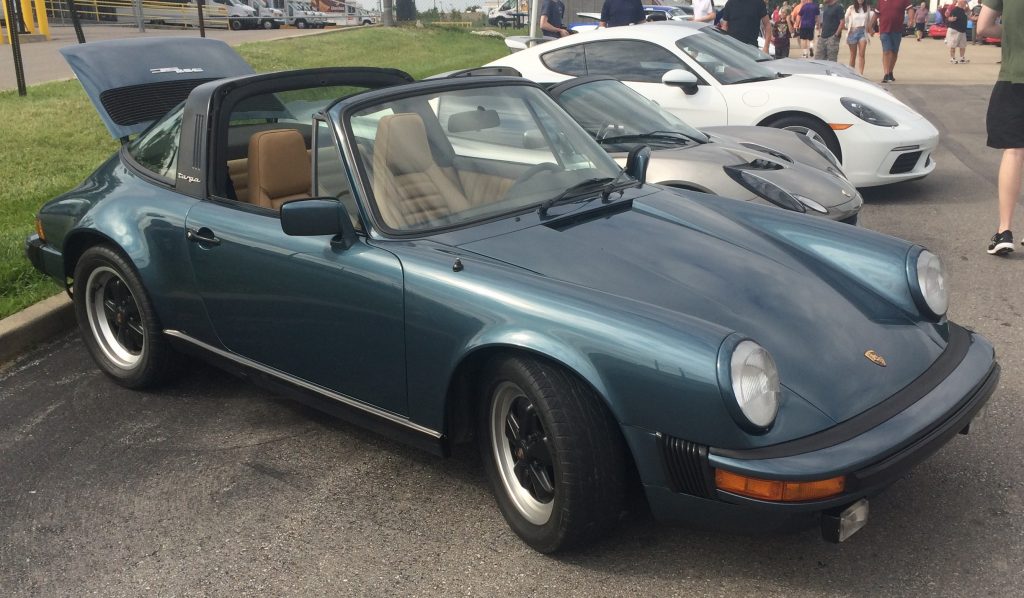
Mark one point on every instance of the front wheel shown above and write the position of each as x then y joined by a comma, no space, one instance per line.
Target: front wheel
235,24
300,24
554,456
117,321
268,24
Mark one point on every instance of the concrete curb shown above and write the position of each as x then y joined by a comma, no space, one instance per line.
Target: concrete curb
35,325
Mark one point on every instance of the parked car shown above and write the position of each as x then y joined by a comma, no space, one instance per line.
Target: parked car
937,31
876,138
344,234
758,164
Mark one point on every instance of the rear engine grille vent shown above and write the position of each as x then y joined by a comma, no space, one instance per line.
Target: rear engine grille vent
905,163
138,103
686,466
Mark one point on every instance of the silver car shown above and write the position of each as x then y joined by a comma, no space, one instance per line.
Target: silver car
759,164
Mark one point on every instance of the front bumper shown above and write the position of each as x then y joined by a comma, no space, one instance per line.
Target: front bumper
875,156
680,482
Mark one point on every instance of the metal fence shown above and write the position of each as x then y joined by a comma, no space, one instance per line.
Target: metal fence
135,13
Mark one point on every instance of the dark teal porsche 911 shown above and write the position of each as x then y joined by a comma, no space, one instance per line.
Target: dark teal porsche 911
457,260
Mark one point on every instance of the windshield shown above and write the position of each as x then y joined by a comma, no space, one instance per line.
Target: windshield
724,62
746,49
448,158
618,117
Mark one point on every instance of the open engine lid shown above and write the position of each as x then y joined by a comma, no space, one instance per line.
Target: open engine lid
133,82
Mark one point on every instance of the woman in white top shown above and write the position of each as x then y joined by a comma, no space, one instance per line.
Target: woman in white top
857,20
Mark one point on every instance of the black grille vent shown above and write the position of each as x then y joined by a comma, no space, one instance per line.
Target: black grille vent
905,163
686,464
138,103
197,140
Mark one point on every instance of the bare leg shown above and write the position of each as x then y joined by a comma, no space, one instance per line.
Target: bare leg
1009,185
892,61
861,50
886,62
853,55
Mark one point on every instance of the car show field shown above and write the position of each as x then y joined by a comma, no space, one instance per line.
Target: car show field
211,485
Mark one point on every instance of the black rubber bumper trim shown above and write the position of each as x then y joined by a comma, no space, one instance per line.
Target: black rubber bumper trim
956,349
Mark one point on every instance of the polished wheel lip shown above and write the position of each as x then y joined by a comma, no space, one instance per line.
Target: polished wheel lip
533,510
96,309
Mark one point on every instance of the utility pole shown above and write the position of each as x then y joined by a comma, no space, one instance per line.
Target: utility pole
387,13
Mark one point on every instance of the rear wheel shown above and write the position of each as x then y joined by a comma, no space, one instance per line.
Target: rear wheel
812,128
553,454
235,24
117,321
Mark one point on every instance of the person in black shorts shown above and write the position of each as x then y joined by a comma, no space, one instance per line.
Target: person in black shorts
1005,118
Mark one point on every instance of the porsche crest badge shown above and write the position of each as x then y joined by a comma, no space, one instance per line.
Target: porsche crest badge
875,358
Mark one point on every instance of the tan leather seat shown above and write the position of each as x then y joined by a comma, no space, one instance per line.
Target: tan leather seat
410,188
279,168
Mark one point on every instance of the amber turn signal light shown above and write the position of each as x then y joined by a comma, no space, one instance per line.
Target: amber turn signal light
39,230
840,126
778,490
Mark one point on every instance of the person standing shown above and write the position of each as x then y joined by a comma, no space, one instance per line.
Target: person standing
830,30
920,18
745,20
781,33
703,11
891,16
808,20
616,13
551,13
973,23
1005,118
956,35
856,19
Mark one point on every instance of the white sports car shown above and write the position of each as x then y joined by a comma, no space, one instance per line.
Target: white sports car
690,72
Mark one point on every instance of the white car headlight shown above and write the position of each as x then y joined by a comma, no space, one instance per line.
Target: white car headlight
867,113
928,282
755,383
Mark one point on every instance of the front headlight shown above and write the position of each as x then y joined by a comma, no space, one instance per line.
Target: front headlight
867,113
766,189
928,283
755,384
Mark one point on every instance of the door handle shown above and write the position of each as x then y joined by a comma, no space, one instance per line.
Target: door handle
203,236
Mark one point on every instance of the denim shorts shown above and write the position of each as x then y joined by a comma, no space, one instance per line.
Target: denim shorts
891,41
855,36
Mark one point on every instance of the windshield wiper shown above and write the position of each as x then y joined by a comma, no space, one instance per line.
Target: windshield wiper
756,79
572,192
607,186
660,135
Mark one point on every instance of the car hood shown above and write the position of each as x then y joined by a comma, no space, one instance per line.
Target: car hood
131,94
689,255
705,165
810,66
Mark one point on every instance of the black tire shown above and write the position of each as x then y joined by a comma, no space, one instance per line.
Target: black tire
268,24
117,321
567,447
797,122
300,24
235,24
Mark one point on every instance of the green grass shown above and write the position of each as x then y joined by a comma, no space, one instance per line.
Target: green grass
52,138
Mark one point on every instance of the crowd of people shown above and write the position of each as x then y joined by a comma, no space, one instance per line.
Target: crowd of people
819,28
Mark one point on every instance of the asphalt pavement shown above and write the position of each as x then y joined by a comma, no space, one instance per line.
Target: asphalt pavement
214,487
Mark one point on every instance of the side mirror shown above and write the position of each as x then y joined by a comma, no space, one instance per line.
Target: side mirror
637,161
682,79
318,216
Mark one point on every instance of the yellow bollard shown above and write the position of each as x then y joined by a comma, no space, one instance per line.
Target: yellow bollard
26,13
42,19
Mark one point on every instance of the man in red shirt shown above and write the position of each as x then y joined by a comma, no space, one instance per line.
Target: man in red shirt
890,15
